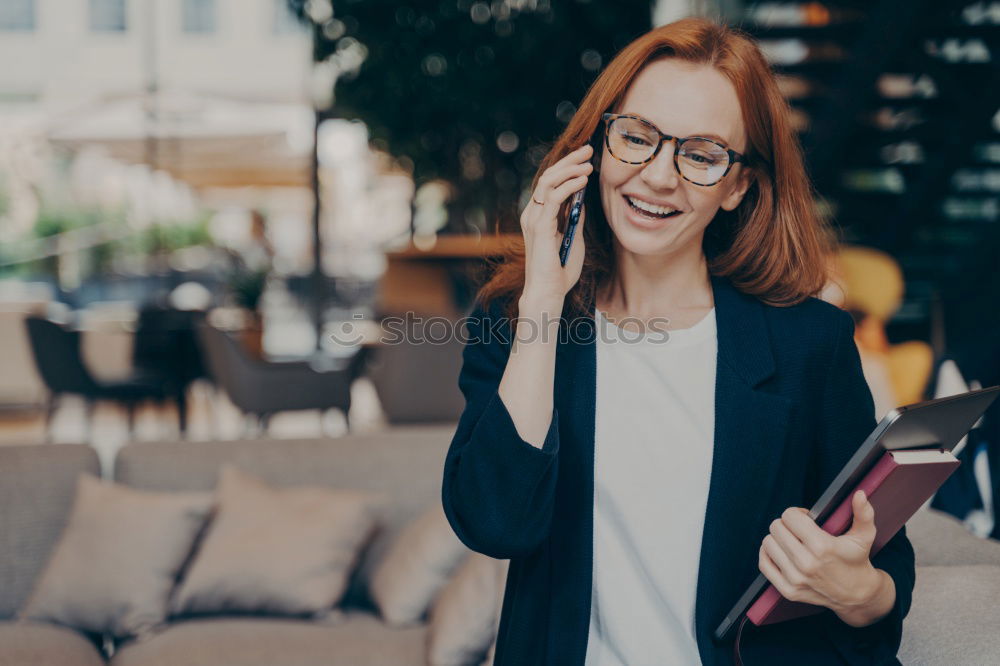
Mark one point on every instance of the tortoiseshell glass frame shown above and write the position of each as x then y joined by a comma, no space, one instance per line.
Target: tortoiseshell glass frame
734,156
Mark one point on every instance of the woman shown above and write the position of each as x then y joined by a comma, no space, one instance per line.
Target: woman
640,477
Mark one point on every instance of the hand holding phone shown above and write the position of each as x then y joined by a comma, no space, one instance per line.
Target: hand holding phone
552,267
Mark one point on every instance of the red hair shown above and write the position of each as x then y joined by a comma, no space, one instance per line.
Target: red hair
773,245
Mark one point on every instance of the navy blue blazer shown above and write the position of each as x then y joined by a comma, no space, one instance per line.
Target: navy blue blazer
791,408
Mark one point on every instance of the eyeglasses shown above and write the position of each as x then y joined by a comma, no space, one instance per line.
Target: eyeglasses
698,160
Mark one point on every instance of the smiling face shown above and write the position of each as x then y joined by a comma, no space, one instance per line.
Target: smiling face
682,100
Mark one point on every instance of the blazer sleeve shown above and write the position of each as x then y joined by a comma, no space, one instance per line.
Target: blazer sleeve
847,418
498,490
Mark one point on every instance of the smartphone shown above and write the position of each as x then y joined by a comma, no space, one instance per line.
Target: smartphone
575,207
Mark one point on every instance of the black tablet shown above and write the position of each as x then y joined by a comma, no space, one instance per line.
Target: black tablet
938,424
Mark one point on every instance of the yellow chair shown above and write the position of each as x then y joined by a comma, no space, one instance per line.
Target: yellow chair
872,282
910,366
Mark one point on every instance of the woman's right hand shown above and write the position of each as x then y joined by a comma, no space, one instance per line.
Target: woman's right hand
546,280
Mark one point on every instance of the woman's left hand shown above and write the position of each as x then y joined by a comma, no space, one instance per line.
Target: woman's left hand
809,565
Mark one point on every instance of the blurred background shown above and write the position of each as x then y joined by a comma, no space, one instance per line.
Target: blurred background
207,206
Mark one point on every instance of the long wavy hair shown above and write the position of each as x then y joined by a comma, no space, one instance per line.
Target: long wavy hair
773,245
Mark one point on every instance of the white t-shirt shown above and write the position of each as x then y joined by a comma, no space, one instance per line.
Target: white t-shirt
654,436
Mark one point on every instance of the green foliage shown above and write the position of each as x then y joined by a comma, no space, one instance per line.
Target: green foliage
473,92
167,237
114,238
56,221
247,286
52,222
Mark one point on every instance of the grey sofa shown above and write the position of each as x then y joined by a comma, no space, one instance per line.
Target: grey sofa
36,490
953,621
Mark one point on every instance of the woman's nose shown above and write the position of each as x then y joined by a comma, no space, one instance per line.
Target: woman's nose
660,172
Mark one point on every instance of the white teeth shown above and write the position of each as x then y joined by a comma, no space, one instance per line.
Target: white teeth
650,208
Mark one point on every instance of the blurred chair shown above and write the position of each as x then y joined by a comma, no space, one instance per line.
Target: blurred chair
166,349
107,334
263,388
56,351
418,381
20,384
872,282
911,364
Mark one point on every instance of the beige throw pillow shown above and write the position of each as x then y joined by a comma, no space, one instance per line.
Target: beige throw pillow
283,551
417,566
116,562
464,618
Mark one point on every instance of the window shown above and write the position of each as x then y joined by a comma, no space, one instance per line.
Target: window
107,15
285,21
198,16
17,15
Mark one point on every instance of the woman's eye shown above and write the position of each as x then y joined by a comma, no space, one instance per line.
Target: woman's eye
637,140
700,158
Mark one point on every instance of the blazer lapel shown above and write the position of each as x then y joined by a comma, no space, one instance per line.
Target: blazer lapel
750,430
572,540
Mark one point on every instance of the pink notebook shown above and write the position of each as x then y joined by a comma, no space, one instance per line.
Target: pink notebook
898,485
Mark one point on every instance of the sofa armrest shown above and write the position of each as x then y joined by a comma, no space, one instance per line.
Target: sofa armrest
940,540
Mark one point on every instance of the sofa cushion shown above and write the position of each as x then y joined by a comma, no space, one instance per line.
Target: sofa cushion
361,639
465,616
407,463
37,484
42,644
417,567
287,551
954,617
118,559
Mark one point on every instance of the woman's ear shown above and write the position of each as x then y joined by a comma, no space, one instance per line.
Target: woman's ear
744,179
